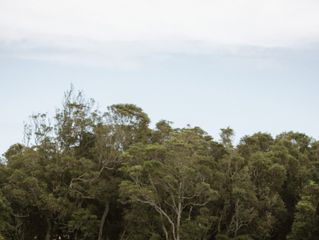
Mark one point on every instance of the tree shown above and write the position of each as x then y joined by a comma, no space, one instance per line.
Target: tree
88,174
171,181
305,225
226,136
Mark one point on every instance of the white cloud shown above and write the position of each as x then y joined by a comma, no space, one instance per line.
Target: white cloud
154,26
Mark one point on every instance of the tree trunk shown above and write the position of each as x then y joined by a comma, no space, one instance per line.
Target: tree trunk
49,227
178,224
102,223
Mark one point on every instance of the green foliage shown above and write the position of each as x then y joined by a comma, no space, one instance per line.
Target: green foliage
86,174
84,224
173,183
305,225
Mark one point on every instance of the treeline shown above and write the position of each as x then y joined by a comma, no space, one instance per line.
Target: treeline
86,174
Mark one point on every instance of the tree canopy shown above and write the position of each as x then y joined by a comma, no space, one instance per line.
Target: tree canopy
87,174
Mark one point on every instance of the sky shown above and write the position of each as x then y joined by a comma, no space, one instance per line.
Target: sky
252,65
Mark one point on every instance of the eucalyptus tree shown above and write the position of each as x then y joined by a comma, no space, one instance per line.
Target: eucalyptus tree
88,174
306,218
169,179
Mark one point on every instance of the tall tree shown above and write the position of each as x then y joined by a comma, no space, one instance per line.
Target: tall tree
169,179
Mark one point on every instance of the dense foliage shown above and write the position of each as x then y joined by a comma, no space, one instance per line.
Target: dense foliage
84,174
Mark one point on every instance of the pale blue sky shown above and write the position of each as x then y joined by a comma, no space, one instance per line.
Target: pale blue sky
272,92
248,64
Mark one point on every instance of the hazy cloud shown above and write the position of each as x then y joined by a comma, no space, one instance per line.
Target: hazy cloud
113,31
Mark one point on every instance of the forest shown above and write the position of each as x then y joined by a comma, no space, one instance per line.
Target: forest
86,174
